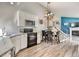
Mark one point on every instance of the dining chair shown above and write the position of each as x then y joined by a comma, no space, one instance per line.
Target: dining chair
49,35
57,37
43,35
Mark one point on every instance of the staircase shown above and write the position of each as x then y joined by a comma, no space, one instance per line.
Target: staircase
63,36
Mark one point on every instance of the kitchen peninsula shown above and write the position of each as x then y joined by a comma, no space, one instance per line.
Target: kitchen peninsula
25,40
6,47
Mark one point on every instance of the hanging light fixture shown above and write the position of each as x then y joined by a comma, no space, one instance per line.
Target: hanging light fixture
49,12
49,15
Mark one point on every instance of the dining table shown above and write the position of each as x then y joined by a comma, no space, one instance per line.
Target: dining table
51,35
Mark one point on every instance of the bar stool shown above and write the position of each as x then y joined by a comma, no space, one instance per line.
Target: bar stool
49,36
44,36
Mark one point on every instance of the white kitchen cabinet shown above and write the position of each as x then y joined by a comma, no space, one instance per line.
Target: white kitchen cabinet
19,42
16,41
23,41
5,46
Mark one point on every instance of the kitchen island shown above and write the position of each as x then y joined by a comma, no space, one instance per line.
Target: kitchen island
6,47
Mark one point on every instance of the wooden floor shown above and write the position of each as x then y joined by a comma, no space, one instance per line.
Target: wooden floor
64,49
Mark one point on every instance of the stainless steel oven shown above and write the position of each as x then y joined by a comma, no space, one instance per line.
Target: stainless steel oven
32,39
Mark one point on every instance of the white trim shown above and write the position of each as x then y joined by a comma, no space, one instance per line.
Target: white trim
60,22
17,18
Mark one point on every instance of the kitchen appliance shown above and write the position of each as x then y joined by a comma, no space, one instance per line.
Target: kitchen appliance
31,39
26,30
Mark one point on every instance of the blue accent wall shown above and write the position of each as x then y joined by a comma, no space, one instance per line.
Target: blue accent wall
65,28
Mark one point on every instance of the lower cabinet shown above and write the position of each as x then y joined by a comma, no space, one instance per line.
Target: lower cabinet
19,42
23,41
16,41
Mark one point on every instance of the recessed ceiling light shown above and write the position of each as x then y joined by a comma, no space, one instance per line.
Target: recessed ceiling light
11,3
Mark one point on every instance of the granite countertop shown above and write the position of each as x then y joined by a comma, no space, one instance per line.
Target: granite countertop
5,45
19,34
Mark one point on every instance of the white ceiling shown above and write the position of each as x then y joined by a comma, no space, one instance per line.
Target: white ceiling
32,7
69,9
6,11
